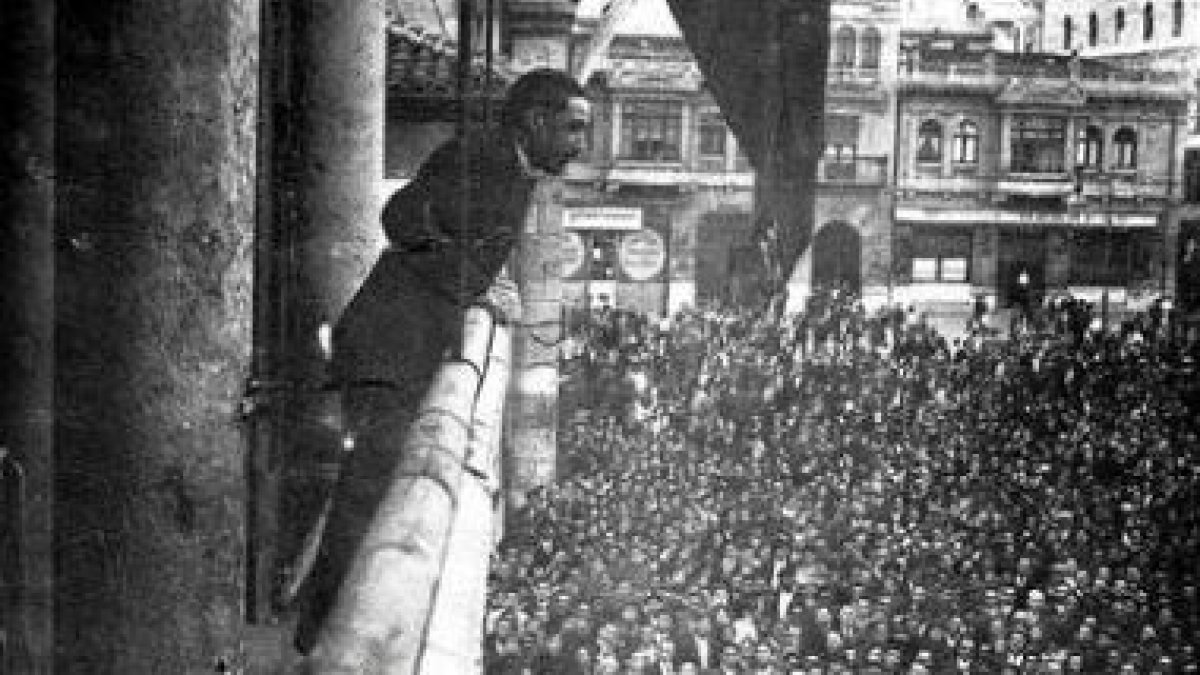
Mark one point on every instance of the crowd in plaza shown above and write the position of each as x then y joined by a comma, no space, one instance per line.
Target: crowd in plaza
848,492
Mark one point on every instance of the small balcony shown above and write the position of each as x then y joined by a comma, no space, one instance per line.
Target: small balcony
857,171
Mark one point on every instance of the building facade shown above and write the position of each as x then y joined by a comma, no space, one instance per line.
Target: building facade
659,217
1022,172
1160,36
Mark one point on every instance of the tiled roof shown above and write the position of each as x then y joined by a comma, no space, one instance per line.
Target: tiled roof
423,64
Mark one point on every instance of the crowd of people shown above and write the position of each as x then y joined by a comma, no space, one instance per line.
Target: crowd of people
848,492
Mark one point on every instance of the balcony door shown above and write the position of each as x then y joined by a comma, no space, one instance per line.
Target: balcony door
837,258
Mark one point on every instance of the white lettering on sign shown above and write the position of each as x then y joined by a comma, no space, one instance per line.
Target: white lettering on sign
602,218
642,254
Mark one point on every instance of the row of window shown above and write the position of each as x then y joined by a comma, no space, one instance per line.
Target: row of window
1095,257
1148,13
1038,145
653,131
845,48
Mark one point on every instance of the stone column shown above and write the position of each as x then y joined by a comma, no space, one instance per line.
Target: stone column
949,129
1069,163
27,338
1006,122
155,173
340,165
335,174
539,33
531,438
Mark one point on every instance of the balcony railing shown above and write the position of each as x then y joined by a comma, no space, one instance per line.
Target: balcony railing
993,73
868,171
1117,183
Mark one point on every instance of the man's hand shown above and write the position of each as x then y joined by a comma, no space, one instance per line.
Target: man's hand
504,297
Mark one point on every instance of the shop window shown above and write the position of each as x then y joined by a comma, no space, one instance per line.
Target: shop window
872,47
844,47
966,143
712,135
1038,144
941,255
1067,33
651,130
1089,147
1110,257
1148,21
1093,30
1125,147
929,141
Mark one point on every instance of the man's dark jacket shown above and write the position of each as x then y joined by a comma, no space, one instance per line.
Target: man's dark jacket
400,325
410,304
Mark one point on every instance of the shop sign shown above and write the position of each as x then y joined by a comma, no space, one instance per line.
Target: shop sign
602,218
642,254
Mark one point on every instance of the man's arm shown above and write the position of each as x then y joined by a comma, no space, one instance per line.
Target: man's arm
407,217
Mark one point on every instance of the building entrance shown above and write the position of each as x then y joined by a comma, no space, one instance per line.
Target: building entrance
1021,268
837,258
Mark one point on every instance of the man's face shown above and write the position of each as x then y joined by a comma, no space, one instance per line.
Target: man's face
554,138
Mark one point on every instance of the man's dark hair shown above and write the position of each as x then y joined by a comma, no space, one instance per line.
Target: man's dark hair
540,88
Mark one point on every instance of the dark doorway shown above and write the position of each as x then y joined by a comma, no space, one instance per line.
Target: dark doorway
1022,267
719,237
1187,270
837,258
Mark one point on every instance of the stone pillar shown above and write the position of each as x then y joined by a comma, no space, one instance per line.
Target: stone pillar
335,171
27,338
155,168
531,438
538,36
615,143
1006,122
949,130
1069,163
340,162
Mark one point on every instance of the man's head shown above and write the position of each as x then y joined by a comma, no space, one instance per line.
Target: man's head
549,114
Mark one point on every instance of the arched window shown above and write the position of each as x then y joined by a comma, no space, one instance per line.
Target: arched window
929,141
1177,19
1119,25
1093,29
1148,21
844,47
1067,33
966,143
872,46
1125,145
1089,147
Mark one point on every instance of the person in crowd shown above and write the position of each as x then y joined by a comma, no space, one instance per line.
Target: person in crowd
844,491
